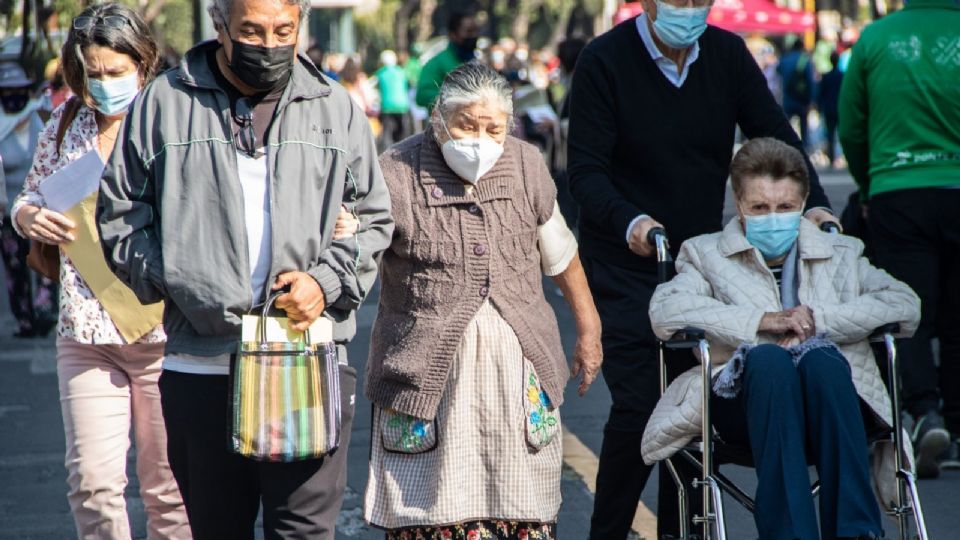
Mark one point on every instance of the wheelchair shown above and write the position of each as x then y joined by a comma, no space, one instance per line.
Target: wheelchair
705,453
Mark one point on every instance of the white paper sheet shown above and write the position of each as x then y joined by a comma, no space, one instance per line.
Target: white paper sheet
65,188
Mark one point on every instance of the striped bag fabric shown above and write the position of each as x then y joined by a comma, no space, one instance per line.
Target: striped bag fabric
284,399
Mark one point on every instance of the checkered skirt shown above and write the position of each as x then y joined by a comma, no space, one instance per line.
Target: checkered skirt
485,464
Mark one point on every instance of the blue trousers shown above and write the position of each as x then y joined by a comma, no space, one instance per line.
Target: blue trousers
794,416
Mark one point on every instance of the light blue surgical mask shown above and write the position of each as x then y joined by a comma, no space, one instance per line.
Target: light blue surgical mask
680,27
773,234
115,95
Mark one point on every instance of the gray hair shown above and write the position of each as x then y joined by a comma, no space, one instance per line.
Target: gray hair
219,10
471,83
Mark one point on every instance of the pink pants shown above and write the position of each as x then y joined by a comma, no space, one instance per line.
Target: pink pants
104,389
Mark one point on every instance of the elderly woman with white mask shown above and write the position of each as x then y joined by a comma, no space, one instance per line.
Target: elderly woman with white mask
787,310
466,369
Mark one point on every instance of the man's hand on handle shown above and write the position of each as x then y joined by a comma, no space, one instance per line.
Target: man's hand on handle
304,303
638,237
819,216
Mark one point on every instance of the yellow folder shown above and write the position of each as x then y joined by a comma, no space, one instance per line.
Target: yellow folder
132,319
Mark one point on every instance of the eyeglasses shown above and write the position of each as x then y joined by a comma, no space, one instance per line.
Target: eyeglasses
88,22
247,136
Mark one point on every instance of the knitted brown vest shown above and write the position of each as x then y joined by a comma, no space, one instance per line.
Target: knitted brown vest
451,251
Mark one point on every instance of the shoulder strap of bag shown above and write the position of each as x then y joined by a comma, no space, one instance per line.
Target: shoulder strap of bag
70,111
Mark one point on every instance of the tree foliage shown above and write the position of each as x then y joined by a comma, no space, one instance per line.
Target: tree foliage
396,24
171,20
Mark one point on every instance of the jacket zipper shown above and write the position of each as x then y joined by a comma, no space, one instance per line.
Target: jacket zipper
227,124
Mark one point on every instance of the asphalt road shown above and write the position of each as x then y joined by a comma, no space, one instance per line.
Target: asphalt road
33,481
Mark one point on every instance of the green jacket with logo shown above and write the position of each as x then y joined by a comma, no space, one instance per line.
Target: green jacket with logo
432,75
899,113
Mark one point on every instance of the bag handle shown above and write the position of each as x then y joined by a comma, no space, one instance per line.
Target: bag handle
264,313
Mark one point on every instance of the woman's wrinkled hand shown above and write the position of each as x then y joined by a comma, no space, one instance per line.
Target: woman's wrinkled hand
797,322
43,225
587,358
347,224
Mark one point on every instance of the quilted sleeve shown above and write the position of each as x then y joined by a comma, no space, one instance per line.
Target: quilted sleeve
687,300
881,300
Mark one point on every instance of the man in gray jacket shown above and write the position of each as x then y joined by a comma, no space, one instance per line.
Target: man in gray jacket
227,187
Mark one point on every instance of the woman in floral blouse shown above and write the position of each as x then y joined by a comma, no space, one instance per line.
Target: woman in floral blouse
106,382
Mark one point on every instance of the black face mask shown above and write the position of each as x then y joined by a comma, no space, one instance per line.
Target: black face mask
262,68
465,49
14,103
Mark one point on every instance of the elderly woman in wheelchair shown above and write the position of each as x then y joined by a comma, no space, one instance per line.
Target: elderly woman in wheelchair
787,311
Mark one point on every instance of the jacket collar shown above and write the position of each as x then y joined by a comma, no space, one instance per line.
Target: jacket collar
814,243
306,81
443,187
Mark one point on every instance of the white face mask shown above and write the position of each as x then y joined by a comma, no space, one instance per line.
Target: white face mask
471,157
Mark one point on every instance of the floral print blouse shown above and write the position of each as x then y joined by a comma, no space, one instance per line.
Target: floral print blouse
82,318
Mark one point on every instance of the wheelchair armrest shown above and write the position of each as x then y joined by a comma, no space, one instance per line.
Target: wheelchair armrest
889,328
688,338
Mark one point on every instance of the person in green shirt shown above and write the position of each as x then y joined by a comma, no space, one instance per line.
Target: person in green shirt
394,99
411,64
900,131
462,33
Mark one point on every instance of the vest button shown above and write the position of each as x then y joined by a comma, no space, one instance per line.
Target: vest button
484,291
437,192
474,209
479,250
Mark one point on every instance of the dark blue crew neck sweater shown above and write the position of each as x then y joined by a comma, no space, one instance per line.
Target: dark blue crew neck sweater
639,145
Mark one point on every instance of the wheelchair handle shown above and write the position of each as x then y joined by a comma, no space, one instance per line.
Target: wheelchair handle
653,233
830,227
657,237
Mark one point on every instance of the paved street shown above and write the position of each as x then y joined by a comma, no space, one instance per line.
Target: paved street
32,478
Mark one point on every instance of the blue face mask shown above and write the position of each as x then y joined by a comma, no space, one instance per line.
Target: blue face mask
114,96
773,234
680,27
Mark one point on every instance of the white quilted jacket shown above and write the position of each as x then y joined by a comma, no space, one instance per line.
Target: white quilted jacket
724,287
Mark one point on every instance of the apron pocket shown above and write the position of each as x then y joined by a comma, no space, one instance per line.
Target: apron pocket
405,434
540,416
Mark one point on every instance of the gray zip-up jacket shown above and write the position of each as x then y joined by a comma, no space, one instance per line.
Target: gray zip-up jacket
171,213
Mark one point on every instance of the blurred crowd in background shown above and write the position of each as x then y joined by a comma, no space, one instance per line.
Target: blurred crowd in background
394,87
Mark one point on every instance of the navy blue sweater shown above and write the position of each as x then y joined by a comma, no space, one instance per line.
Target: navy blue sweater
639,145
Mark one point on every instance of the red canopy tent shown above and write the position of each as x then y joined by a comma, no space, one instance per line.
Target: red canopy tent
743,16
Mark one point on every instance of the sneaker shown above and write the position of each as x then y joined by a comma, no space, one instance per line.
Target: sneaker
930,439
950,458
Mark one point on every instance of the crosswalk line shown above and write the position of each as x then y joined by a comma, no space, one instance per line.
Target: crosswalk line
584,462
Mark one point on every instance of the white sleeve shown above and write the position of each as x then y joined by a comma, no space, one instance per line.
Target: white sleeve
557,244
633,224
